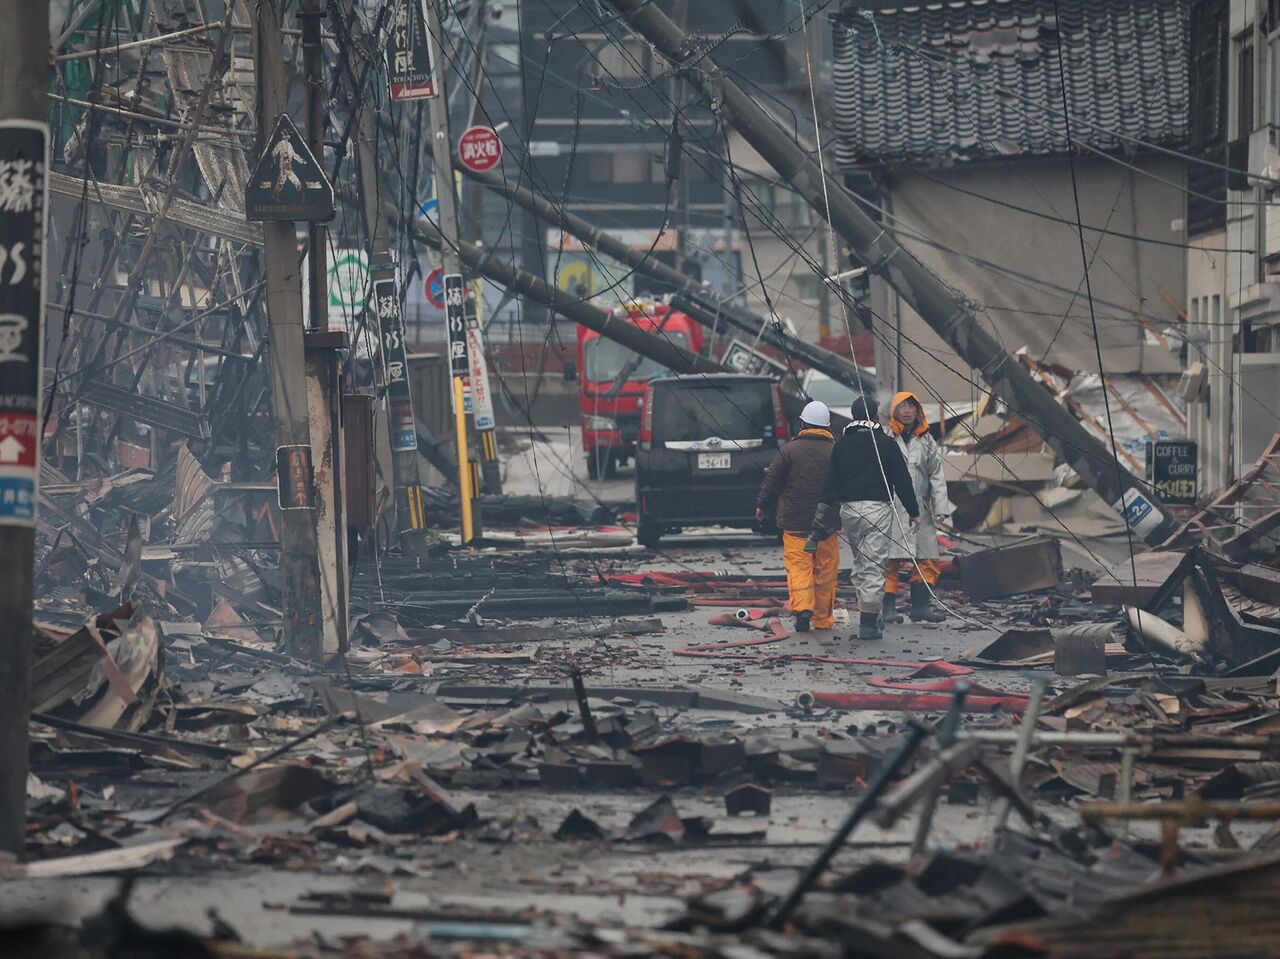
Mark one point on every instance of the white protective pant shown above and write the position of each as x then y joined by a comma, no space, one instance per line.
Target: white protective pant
867,525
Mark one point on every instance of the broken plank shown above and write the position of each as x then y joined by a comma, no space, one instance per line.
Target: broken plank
143,742
108,860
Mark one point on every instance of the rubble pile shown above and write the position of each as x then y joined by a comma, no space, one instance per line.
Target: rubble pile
1067,761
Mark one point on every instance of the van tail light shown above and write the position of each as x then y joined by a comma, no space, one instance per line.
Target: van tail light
779,414
646,419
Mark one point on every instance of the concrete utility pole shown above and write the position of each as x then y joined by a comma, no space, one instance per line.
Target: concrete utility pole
949,315
690,296
650,345
24,143
447,210
657,348
324,365
309,16
299,556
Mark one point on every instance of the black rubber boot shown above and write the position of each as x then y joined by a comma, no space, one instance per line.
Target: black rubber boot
891,614
803,619
922,609
869,626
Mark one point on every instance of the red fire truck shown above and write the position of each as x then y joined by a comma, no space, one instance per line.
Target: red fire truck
612,380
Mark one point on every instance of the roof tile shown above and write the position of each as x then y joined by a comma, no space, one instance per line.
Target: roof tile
968,79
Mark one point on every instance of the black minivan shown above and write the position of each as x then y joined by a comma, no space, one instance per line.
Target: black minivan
705,441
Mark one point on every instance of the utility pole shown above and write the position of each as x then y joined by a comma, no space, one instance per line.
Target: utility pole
309,15
323,365
948,314
676,166
482,418
517,281
447,209
385,299
299,556
481,260
24,151
691,296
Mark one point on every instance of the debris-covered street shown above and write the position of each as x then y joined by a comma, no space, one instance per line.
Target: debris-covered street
540,478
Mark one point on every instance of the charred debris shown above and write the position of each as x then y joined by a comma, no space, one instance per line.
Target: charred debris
1077,763
1096,776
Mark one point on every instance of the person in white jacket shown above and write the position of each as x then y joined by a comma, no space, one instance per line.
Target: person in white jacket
918,547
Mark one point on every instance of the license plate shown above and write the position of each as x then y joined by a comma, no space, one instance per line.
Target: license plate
714,461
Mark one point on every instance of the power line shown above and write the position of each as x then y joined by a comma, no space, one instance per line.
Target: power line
1119,234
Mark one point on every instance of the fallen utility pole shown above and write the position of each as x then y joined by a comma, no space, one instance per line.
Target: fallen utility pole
385,296
690,295
948,314
24,151
514,280
299,555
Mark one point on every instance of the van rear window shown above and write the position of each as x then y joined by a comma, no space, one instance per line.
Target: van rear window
700,410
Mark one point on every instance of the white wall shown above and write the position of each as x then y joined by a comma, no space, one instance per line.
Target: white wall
1210,332
1027,308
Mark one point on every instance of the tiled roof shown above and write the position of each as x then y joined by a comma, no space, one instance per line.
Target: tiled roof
979,78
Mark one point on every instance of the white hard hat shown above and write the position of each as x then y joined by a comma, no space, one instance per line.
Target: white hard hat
815,413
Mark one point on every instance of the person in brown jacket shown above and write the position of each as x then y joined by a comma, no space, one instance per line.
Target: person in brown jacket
793,485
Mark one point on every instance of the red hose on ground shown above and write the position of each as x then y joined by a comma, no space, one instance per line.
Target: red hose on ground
911,702
940,686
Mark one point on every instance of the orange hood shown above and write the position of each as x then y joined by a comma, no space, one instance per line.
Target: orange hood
922,426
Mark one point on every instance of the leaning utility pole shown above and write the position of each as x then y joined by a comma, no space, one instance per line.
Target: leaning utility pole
516,281
691,296
299,557
949,315
24,151
455,317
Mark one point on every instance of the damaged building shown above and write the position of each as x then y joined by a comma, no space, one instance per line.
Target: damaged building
338,649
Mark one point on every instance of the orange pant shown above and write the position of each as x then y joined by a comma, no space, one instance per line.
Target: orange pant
811,577
923,571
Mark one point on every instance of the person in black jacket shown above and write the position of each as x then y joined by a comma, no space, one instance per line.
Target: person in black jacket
867,469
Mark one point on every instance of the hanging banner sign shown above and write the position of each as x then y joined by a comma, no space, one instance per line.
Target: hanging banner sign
408,53
288,182
24,147
295,481
386,299
481,406
455,315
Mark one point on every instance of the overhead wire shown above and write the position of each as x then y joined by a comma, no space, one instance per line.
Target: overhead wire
1011,471
765,216
1106,398
817,270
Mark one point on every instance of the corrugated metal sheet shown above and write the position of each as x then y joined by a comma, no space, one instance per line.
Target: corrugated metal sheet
980,78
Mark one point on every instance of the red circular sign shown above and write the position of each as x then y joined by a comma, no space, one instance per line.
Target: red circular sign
479,149
434,288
